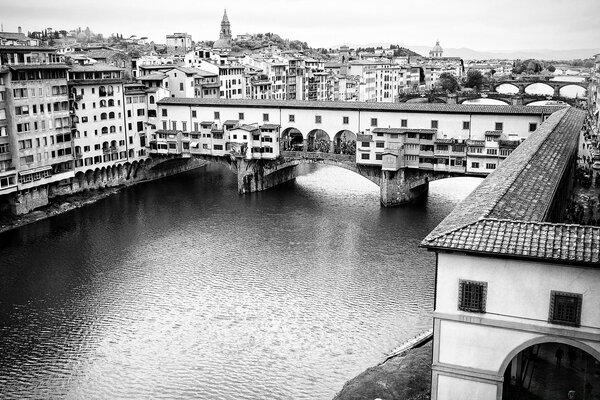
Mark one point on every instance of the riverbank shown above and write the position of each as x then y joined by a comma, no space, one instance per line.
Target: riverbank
403,377
57,205
64,203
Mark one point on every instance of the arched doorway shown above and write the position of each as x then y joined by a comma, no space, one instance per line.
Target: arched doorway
551,370
292,140
318,140
344,142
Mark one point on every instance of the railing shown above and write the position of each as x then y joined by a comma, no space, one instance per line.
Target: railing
319,155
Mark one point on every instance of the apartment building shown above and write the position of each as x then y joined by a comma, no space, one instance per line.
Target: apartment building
36,148
99,123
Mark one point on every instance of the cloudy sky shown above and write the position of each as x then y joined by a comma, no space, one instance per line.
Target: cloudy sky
484,25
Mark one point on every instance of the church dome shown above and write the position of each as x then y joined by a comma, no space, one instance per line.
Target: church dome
437,48
222,44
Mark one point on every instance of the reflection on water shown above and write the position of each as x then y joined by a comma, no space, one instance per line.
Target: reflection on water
180,288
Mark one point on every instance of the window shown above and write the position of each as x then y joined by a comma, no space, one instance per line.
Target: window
379,156
474,165
140,112
403,123
466,124
380,144
218,147
240,117
373,121
499,126
164,112
180,85
492,152
490,166
434,124
532,126
345,120
265,117
292,118
151,99
317,119
472,295
217,115
365,156
365,144
565,308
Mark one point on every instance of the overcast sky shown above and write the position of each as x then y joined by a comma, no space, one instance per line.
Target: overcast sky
483,25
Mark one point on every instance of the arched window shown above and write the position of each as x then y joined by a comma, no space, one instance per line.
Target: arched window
104,145
103,116
151,99
102,103
113,129
102,91
111,115
104,130
110,91
111,102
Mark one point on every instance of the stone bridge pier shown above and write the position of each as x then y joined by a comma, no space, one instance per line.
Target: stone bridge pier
396,187
403,186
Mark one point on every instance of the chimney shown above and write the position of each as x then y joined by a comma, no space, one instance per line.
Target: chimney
19,29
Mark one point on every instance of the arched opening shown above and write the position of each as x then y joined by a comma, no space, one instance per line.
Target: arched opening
111,115
104,130
102,103
151,99
292,140
110,91
507,88
573,92
486,101
540,89
102,91
111,103
547,370
103,116
344,142
113,129
318,140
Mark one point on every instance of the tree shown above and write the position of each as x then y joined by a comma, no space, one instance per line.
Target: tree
474,79
447,82
551,68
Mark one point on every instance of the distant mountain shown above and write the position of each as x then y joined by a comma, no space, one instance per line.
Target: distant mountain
469,54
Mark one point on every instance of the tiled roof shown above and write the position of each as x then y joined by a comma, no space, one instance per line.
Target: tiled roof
506,214
539,240
269,126
372,106
38,66
388,130
247,128
97,67
157,76
231,122
444,141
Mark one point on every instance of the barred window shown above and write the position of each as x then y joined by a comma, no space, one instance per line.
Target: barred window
565,308
472,296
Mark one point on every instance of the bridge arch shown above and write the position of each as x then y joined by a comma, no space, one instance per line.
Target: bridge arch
572,91
536,360
344,135
485,101
507,88
292,139
318,137
540,88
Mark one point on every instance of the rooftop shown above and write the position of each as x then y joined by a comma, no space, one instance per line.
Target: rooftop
507,214
363,106
97,67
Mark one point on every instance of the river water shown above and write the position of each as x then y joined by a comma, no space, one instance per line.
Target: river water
181,288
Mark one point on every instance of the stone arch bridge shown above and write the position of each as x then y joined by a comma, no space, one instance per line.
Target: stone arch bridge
396,187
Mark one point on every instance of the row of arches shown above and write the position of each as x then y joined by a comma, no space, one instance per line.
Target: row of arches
109,103
111,175
541,88
316,140
110,115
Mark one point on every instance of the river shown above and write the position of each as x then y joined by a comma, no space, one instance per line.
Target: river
181,288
